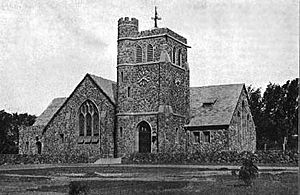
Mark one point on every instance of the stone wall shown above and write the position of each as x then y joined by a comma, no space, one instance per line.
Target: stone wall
66,123
242,134
128,141
28,136
218,141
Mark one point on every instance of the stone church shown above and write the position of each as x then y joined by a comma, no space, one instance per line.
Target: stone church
150,109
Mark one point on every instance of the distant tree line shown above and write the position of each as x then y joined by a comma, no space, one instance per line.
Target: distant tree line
9,130
275,114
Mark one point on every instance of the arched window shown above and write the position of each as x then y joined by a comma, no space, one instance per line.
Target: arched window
179,57
174,55
138,54
149,53
88,119
96,124
81,124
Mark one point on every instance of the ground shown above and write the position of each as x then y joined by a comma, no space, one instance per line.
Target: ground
143,180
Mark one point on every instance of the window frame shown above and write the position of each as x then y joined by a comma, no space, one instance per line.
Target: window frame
138,54
150,58
88,115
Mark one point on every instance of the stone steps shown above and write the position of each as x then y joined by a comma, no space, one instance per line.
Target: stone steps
105,161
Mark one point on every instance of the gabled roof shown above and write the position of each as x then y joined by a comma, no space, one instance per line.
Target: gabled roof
219,102
46,116
108,86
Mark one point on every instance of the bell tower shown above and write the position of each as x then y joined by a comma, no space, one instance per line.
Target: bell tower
153,89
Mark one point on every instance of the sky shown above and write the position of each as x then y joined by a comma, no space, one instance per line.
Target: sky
47,46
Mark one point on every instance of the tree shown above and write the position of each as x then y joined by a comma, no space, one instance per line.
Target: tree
256,105
9,130
275,114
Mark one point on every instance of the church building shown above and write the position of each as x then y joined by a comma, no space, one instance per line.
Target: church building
151,107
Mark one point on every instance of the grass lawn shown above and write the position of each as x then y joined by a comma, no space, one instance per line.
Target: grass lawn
124,180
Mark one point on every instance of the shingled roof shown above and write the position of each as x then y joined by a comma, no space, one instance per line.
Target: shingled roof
46,116
213,105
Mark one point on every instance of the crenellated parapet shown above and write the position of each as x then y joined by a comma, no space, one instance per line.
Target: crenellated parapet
128,27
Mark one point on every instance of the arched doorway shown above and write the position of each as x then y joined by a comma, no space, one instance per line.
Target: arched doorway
144,138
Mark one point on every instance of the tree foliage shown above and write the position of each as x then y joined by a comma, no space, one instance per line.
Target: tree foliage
275,114
9,130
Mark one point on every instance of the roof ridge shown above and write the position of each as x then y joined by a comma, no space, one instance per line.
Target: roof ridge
219,85
92,75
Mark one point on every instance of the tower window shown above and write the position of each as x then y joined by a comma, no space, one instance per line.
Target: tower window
27,146
121,131
139,54
174,55
177,136
179,57
122,77
62,137
149,53
128,92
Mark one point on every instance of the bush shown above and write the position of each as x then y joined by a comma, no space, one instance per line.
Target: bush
248,171
42,158
218,157
76,188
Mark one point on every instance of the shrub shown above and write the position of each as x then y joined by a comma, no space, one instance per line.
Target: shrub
213,157
248,171
76,188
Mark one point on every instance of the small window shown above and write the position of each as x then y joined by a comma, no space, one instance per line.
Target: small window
177,136
243,104
139,54
122,77
239,114
207,104
248,117
27,146
121,131
149,53
174,55
39,147
206,136
196,137
62,137
179,57
128,92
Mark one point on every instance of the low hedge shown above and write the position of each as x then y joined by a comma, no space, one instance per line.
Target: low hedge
221,157
43,159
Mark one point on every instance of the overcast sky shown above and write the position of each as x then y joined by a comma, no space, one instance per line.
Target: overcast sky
46,46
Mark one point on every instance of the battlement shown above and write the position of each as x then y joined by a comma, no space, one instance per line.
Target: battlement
159,31
127,21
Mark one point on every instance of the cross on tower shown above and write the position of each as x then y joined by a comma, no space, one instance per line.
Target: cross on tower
155,18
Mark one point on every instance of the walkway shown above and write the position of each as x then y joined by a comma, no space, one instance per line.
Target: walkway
207,167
